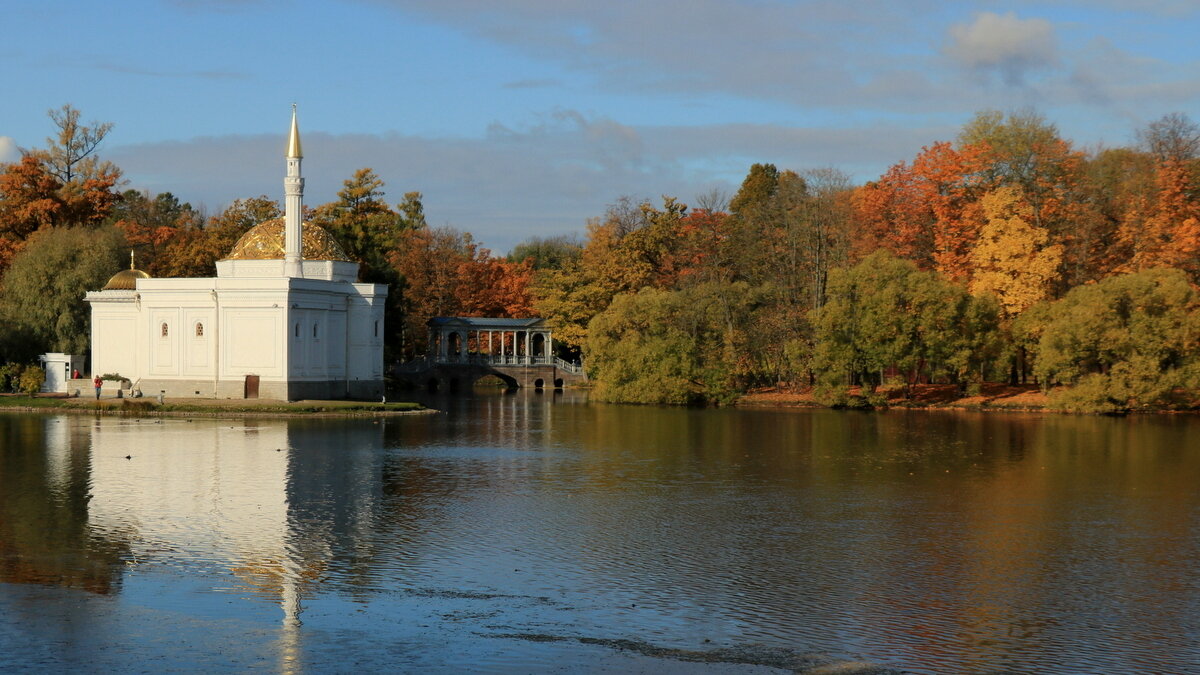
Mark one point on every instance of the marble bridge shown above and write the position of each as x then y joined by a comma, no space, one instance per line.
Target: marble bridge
464,349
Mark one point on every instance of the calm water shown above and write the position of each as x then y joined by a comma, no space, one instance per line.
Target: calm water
534,533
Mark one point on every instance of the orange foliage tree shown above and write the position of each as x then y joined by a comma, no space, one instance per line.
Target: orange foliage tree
925,212
32,199
447,274
1169,234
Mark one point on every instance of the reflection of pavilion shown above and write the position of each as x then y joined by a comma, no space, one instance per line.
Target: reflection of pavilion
236,496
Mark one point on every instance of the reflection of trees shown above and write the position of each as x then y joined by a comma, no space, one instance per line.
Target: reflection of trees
44,483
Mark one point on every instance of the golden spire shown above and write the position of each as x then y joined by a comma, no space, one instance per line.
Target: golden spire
294,137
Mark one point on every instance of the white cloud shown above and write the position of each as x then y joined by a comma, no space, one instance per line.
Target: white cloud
1003,44
8,150
516,181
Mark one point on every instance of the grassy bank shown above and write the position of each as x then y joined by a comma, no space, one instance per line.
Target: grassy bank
206,407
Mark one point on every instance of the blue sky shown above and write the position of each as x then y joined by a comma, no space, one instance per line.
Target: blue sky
526,117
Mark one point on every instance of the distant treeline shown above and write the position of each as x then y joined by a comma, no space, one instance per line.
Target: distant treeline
1004,255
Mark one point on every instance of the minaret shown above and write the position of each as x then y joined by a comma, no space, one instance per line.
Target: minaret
293,209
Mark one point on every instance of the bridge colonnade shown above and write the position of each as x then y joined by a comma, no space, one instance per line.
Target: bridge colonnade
490,341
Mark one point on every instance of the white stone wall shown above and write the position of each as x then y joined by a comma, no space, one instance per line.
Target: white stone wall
114,334
206,335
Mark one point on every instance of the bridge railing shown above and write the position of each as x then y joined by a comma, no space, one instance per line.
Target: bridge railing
573,368
422,362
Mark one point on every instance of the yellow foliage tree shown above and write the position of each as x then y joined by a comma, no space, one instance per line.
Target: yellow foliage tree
1011,258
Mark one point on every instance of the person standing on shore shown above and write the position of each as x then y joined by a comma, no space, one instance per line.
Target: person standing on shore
97,383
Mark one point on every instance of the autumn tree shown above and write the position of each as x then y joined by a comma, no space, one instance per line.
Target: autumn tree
1113,192
703,251
150,224
494,287
1163,229
428,260
86,182
70,154
29,201
1025,151
1012,258
624,253
194,252
926,211
62,185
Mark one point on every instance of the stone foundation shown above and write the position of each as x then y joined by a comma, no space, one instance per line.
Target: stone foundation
368,390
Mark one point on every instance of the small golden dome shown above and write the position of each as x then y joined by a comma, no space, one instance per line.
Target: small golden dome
265,242
125,280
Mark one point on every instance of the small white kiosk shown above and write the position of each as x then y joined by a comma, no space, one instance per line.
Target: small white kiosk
59,368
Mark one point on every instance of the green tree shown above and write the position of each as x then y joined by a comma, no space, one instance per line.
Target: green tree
43,289
885,313
677,347
1123,343
758,187
361,221
547,252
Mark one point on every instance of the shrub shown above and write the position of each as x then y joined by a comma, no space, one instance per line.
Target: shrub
31,380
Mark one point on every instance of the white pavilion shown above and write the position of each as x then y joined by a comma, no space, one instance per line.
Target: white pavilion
284,318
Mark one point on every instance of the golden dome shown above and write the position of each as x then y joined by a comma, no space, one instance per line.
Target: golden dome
265,242
125,280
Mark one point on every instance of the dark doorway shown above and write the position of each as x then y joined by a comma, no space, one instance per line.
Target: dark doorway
251,390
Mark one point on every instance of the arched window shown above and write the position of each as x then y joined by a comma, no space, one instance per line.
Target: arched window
314,330
164,329
376,329
297,330
199,329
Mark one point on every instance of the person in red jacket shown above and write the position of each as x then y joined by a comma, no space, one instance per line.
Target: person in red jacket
97,383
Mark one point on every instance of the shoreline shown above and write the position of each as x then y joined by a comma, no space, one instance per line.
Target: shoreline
993,397
208,408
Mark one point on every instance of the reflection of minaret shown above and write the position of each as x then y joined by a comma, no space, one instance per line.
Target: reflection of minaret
334,496
293,208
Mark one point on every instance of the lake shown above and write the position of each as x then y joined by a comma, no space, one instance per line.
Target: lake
530,532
